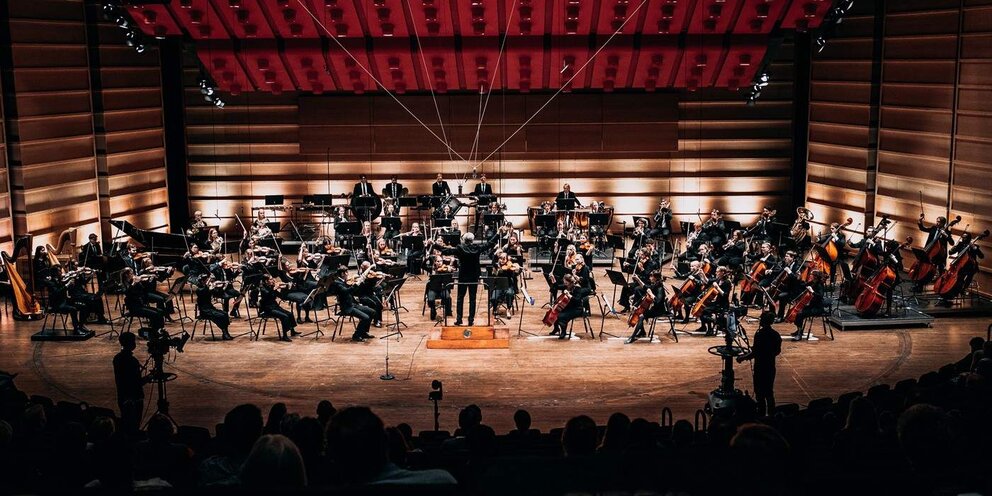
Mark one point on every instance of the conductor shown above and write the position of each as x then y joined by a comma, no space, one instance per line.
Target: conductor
469,271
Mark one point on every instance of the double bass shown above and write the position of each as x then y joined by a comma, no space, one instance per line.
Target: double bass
936,250
864,264
955,279
828,250
25,305
872,296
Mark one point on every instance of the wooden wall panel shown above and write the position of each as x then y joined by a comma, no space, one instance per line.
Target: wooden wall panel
6,225
53,164
729,156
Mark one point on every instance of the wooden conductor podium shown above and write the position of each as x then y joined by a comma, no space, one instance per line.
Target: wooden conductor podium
469,338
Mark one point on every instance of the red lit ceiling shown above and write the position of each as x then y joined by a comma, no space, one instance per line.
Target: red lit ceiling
323,46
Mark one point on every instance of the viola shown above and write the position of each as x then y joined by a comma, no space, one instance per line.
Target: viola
936,250
799,304
953,281
872,296
552,316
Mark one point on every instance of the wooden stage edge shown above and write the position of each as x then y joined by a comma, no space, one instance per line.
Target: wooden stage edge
552,379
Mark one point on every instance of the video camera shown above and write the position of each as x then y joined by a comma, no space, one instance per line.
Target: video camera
159,342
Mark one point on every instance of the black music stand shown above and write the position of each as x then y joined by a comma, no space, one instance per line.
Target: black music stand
347,229
441,222
411,244
274,200
363,205
566,203
335,261
492,219
391,289
617,279
451,239
485,200
440,283
391,223
493,284
408,201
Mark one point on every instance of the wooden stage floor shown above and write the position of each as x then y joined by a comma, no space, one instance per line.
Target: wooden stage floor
552,379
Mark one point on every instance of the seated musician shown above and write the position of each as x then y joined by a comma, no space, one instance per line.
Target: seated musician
394,189
445,213
59,301
490,228
733,251
88,304
363,188
695,239
215,241
304,282
766,255
715,229
415,257
270,292
440,187
783,283
894,260
719,306
389,211
42,265
136,299
662,220
659,307
585,248
706,257
196,224
382,254
702,279
438,291
553,236
206,288
162,300
639,235
195,262
349,305
817,306
641,266
260,226
575,307
764,228
513,247
504,267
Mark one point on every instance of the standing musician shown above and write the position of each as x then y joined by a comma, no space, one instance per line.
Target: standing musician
482,188
440,187
566,194
136,300
816,306
767,345
469,271
764,228
715,229
659,307
720,305
662,220
270,292
196,224
483,193
350,305
575,307
504,267
836,234
393,189
91,254
206,288
362,187
939,233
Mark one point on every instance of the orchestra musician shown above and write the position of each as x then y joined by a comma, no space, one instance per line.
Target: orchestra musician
440,187
504,267
161,300
566,194
88,304
816,306
438,289
362,187
414,257
59,301
393,189
939,233
764,228
513,247
349,305
575,307
206,288
268,306
836,234
389,212
956,252
91,254
733,250
659,307
196,224
766,255
260,226
445,213
483,193
784,282
215,242
720,305
136,300
695,239
697,274
469,270
641,266
662,220
715,229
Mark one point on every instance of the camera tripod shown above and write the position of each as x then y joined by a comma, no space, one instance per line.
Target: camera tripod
160,377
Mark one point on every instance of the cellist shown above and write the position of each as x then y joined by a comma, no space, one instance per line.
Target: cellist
783,282
724,287
575,307
816,306
767,257
939,233
659,307
696,273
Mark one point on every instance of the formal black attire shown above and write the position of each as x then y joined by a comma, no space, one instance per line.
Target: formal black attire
718,306
440,188
137,305
658,308
469,271
363,189
662,223
206,309
130,391
816,306
575,309
268,306
348,305
85,302
767,345
58,300
393,190
91,255
763,230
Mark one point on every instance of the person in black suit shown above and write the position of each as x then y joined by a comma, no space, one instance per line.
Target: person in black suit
363,188
130,384
136,301
767,346
575,307
469,271
662,220
393,189
566,193
483,193
440,187
91,254
206,288
350,307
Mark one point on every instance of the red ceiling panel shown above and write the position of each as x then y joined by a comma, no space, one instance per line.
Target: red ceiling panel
568,54
526,68
199,19
743,60
616,13
306,61
527,17
348,69
760,16
386,18
804,15
478,17
155,20
218,58
394,64
265,67
339,18
656,62
292,20
667,16
573,17
479,63
442,65
244,18
714,16
611,68
701,59
432,17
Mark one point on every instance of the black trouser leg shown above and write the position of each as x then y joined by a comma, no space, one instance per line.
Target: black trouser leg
131,410
472,290
364,316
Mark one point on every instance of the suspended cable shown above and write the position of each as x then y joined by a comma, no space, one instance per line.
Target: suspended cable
427,76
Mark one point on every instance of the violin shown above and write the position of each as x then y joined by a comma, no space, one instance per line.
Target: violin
510,267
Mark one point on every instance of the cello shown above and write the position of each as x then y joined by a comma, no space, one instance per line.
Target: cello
552,316
922,271
873,295
957,277
25,307
758,270
800,303
689,287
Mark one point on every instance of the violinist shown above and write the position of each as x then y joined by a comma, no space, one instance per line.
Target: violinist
513,247
835,234
136,300
938,233
158,274
817,306
586,249
206,288
662,220
87,303
656,288
724,287
783,283
504,267
132,257
349,303
764,228
382,254
270,292
370,291
195,262
196,224
575,307
715,229
389,212
60,302
438,289
304,282
215,242
733,250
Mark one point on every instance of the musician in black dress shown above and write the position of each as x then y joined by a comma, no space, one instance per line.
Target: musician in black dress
659,307
206,288
469,271
766,347
349,305
394,189
136,300
440,187
575,307
59,302
817,306
504,267
719,306
437,287
268,306
641,266
88,304
701,279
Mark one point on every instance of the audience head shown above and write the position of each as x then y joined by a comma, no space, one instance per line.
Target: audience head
926,436
469,417
861,416
274,462
160,429
325,410
242,427
356,443
522,420
580,436
276,414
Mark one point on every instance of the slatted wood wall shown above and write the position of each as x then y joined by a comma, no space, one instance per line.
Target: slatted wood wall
729,156
6,226
83,113
935,126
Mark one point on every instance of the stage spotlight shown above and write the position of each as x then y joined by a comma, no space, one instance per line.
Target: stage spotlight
140,48
763,79
821,43
219,103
